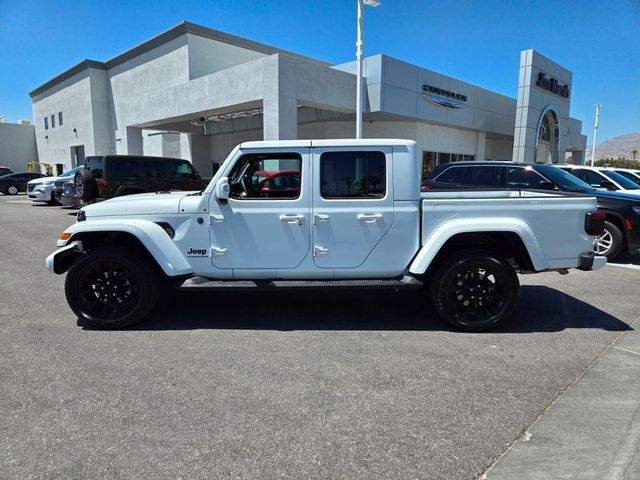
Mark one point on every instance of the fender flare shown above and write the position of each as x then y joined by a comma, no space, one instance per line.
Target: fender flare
152,237
444,232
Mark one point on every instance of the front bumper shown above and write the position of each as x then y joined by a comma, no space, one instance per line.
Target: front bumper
41,193
60,260
591,261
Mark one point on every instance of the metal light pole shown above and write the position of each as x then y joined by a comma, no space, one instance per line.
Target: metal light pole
595,134
359,53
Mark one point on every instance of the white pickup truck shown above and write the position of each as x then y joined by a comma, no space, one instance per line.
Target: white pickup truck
323,213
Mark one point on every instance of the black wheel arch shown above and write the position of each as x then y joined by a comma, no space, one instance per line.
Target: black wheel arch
507,245
93,240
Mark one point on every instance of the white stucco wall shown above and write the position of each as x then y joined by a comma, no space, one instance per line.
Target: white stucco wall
17,146
73,98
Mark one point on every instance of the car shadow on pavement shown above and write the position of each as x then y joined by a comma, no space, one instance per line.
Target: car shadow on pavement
541,309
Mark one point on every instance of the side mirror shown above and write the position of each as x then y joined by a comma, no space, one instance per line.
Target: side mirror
543,185
608,185
222,190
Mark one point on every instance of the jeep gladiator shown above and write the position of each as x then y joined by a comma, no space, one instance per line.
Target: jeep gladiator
339,214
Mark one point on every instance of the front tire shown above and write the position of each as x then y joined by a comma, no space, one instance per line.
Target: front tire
475,291
112,287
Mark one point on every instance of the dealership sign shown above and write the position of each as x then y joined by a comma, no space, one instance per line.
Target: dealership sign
443,98
552,85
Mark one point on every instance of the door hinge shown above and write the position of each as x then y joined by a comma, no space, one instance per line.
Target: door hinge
217,251
319,218
215,219
318,250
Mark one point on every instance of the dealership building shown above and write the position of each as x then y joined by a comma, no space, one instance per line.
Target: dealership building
195,93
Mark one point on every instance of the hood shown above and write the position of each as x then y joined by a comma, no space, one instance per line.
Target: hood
617,195
38,181
139,204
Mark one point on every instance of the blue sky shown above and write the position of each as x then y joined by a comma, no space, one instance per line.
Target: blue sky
475,41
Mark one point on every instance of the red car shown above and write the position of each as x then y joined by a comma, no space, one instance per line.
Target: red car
283,183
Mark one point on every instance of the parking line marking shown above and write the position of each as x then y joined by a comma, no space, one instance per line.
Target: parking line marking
625,350
625,265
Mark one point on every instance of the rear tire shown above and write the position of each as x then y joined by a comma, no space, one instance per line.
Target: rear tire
11,190
112,287
610,243
475,291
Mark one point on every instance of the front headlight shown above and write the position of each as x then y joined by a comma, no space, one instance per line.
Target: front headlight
49,182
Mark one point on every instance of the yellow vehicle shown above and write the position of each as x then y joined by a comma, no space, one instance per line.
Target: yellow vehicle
37,167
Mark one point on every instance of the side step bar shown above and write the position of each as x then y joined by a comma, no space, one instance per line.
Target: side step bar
204,284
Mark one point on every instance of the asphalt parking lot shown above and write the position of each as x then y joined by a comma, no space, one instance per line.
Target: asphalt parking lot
281,385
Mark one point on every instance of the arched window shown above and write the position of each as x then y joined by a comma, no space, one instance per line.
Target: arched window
548,137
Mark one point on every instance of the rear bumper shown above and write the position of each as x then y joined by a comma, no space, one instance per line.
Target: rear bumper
591,261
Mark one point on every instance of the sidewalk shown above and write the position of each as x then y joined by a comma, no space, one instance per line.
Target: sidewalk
592,431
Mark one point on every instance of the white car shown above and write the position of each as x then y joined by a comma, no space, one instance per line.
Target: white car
41,189
630,173
603,178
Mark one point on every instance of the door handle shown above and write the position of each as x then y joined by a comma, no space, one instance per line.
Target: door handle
319,218
216,251
292,219
318,250
369,217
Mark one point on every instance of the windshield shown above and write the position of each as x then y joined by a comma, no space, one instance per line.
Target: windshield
71,172
624,182
563,179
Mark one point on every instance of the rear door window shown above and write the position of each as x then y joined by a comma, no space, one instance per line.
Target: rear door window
485,176
352,175
124,167
452,175
155,169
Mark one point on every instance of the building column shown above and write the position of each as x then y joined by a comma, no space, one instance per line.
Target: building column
481,141
577,157
134,141
280,103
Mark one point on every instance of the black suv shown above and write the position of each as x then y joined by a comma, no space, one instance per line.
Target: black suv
622,225
117,175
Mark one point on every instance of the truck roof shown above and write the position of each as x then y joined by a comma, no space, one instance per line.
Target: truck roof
336,142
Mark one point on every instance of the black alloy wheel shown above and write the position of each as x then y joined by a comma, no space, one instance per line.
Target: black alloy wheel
475,291
112,287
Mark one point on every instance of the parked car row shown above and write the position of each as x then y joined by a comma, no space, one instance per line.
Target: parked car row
103,177
618,198
14,183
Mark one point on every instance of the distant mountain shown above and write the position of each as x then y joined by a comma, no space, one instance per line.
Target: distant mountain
615,147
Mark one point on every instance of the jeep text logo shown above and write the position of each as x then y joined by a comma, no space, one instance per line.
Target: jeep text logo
197,252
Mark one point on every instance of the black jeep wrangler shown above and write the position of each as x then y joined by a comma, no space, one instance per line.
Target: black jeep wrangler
116,175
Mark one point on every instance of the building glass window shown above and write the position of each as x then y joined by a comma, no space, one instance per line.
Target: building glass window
59,119
46,123
53,121
352,175
430,160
